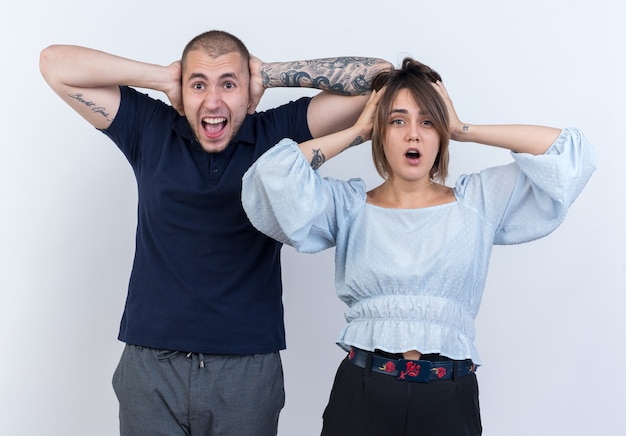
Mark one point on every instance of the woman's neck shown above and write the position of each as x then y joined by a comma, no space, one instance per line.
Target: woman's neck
401,195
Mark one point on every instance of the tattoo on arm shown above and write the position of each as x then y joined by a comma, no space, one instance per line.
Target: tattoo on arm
358,140
465,127
318,158
341,75
90,104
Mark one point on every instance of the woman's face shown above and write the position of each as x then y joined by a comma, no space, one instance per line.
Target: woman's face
411,143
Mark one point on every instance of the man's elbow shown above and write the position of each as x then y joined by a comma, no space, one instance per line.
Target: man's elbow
46,61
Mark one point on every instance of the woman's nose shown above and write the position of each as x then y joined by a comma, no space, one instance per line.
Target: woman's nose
413,134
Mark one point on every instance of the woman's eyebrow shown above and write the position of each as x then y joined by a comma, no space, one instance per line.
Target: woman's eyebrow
406,111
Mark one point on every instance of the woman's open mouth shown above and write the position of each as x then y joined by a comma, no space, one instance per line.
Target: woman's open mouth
413,154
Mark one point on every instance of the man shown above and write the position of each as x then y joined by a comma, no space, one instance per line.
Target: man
203,322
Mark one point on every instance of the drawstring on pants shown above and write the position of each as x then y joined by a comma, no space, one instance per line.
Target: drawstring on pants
200,356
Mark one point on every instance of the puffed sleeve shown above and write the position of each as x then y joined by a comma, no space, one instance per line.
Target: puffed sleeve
528,199
287,200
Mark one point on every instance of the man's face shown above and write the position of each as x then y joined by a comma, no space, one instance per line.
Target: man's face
215,97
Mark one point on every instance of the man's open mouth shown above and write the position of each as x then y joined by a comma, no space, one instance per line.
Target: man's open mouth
213,127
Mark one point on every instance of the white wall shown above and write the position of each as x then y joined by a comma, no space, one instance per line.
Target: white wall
552,327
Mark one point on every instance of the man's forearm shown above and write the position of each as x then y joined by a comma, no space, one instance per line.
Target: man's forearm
82,67
88,80
341,75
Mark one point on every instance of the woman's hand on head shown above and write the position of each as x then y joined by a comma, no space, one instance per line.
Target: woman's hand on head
455,124
365,123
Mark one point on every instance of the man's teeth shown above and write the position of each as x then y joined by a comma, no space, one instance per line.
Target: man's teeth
213,120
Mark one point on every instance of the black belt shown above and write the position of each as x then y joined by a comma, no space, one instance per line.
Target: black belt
421,371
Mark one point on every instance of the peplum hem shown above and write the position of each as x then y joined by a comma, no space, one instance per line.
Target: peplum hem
398,323
398,336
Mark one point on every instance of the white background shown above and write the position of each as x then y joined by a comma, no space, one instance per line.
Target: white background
551,330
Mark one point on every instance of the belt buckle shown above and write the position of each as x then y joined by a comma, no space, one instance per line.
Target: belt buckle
414,370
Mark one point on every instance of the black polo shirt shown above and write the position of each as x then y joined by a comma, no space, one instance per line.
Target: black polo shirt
203,279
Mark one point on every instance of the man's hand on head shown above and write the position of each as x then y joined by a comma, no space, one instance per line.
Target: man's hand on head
174,91
257,87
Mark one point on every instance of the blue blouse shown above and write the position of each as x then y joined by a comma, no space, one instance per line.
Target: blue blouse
414,278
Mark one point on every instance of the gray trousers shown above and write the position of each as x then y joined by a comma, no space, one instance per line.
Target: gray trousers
174,393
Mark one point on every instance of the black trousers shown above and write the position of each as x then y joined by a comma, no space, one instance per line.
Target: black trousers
367,403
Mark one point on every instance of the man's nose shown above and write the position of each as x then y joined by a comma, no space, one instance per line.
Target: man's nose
212,99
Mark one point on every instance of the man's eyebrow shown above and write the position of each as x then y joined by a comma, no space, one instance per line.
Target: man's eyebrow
197,76
205,77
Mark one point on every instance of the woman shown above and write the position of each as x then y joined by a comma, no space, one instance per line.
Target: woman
412,254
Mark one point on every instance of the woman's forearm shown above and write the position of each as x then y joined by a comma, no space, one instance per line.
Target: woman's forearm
319,150
519,138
